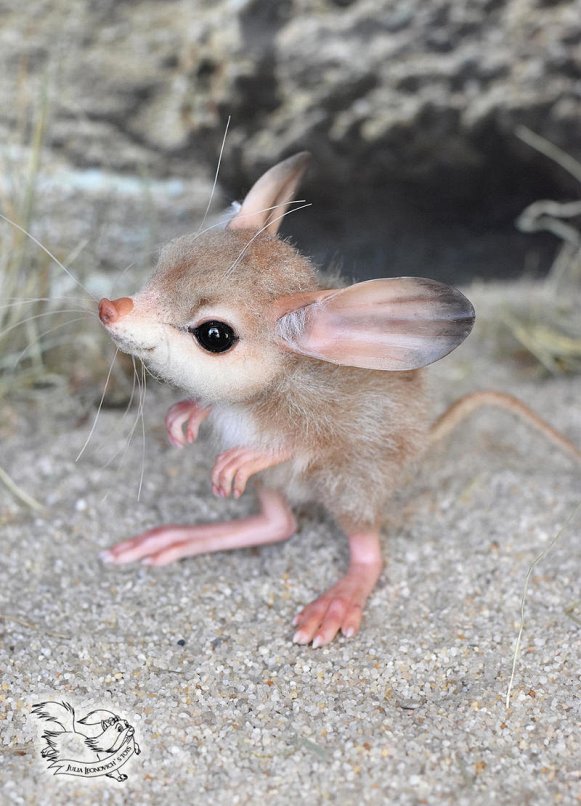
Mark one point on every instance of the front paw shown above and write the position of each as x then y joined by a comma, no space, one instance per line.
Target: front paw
182,422
231,472
233,468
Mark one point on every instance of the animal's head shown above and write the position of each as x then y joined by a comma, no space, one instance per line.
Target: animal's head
116,731
227,310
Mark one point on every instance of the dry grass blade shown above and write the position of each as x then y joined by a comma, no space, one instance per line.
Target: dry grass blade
19,493
532,566
556,350
552,331
566,161
30,285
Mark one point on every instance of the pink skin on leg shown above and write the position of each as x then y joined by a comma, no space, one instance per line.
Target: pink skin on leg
233,468
166,544
183,420
341,607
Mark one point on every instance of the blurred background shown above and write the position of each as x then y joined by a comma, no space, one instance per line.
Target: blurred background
432,127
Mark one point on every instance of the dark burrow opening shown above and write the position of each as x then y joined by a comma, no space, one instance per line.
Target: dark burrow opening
454,225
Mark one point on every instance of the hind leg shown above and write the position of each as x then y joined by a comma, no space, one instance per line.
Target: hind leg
341,607
166,544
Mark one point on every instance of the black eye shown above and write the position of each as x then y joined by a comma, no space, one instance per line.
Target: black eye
216,337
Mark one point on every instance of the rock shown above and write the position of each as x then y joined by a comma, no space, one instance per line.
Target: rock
408,106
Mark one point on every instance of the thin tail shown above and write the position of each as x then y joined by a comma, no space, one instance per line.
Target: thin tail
463,407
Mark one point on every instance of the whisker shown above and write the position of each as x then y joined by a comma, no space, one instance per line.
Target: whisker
100,406
121,274
41,336
215,176
227,218
29,300
220,223
256,234
47,252
157,378
136,421
131,396
74,253
142,403
40,316
123,450
129,266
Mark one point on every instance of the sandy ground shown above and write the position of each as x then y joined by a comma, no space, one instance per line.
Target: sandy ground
198,656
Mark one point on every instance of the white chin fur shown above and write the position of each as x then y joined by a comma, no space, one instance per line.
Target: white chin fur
129,347
138,338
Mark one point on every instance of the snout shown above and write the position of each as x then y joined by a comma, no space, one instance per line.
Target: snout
110,311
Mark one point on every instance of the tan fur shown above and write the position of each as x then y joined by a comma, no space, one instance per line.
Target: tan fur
289,392
194,270
195,267
351,430
358,428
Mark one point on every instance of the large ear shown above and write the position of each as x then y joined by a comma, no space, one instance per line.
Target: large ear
399,323
268,199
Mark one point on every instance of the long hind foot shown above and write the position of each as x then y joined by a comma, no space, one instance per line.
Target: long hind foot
166,544
341,607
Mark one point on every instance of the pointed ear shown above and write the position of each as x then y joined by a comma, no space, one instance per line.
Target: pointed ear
268,199
399,323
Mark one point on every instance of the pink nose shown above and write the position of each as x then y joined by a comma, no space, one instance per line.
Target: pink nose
112,310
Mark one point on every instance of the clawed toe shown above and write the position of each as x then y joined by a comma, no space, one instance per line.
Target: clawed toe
182,422
320,622
340,609
234,467
143,546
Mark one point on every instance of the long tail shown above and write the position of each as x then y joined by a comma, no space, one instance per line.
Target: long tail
463,407
61,713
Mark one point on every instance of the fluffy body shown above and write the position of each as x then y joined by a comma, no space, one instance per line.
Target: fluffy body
300,396
351,430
